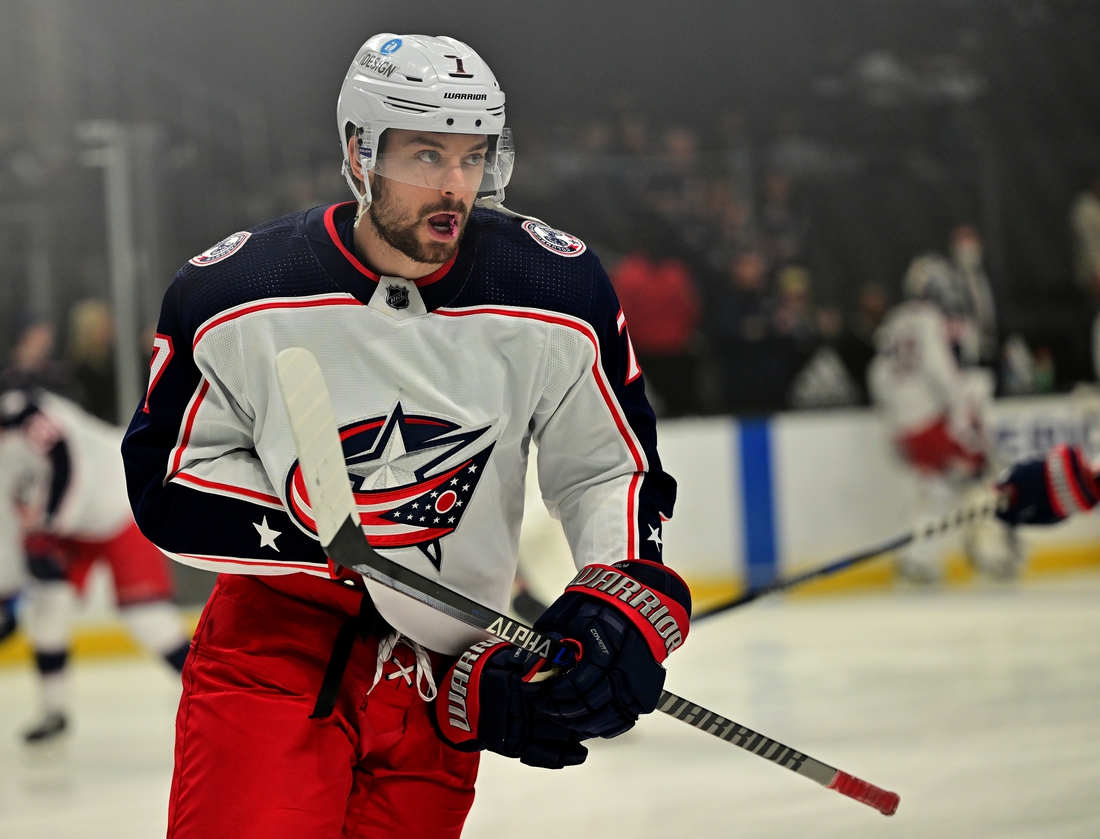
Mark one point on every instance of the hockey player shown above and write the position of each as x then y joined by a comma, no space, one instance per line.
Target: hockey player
935,405
452,337
63,467
22,476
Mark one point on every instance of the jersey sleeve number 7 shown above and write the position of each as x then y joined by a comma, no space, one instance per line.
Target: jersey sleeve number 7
162,354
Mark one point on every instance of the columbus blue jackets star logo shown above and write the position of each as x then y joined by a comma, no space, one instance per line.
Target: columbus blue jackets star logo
413,478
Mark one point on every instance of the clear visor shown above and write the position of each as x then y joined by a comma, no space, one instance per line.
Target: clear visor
479,167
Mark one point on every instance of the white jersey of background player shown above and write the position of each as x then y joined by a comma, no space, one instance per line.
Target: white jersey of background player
64,499
23,477
935,408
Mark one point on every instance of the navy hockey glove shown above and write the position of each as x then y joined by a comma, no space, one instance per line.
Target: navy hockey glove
1049,490
627,618
485,703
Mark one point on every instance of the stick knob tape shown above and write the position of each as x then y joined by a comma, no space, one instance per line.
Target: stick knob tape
884,801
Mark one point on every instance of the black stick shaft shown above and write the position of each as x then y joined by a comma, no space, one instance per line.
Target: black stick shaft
938,527
350,549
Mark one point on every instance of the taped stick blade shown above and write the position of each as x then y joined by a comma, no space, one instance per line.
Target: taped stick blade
320,454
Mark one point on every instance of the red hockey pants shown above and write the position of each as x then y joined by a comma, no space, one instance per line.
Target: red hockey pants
251,764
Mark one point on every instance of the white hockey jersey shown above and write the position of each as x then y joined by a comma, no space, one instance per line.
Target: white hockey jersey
915,379
79,459
24,475
439,387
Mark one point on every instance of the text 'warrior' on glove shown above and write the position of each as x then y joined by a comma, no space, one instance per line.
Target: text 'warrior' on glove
1049,490
627,618
486,703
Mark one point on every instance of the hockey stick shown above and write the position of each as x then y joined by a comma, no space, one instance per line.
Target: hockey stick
321,457
937,527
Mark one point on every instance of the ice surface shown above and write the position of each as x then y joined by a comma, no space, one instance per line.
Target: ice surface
981,707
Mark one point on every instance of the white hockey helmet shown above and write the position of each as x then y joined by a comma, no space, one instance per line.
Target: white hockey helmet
421,83
931,277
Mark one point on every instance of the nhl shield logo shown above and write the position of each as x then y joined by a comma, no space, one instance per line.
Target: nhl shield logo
397,297
556,241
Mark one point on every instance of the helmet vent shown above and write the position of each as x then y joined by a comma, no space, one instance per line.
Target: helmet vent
409,105
413,79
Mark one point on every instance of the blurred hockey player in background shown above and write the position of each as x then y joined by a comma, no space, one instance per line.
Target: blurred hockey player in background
64,490
935,400
22,481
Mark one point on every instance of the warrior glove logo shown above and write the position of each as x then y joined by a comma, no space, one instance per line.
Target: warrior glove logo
413,478
662,621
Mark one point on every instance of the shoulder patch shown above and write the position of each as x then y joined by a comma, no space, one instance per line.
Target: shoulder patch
563,244
223,250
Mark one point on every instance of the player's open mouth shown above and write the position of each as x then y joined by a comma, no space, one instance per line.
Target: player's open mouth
443,226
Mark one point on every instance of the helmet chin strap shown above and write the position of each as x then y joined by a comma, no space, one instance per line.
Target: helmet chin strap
363,198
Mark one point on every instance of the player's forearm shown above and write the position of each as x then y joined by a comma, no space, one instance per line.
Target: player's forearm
215,531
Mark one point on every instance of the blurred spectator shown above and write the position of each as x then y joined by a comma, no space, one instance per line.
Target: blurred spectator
91,351
794,313
31,364
966,254
678,190
741,333
1085,222
794,323
661,306
855,344
782,229
1044,370
1017,367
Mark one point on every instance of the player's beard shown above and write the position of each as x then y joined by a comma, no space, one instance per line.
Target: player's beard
396,227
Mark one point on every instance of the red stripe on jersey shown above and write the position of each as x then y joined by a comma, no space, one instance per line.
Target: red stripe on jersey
177,458
229,488
363,426
597,370
282,303
313,568
601,382
330,226
632,515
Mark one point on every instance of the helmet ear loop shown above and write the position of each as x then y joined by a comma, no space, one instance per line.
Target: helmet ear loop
364,201
363,197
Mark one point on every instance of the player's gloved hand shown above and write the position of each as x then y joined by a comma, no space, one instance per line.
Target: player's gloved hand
1049,490
627,618
485,702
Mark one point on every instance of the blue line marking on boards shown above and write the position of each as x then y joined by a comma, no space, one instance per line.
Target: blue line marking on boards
757,501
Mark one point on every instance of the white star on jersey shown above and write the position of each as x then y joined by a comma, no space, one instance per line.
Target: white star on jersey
655,536
395,466
267,534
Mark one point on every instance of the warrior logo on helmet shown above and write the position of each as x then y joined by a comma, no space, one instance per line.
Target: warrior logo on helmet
412,477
